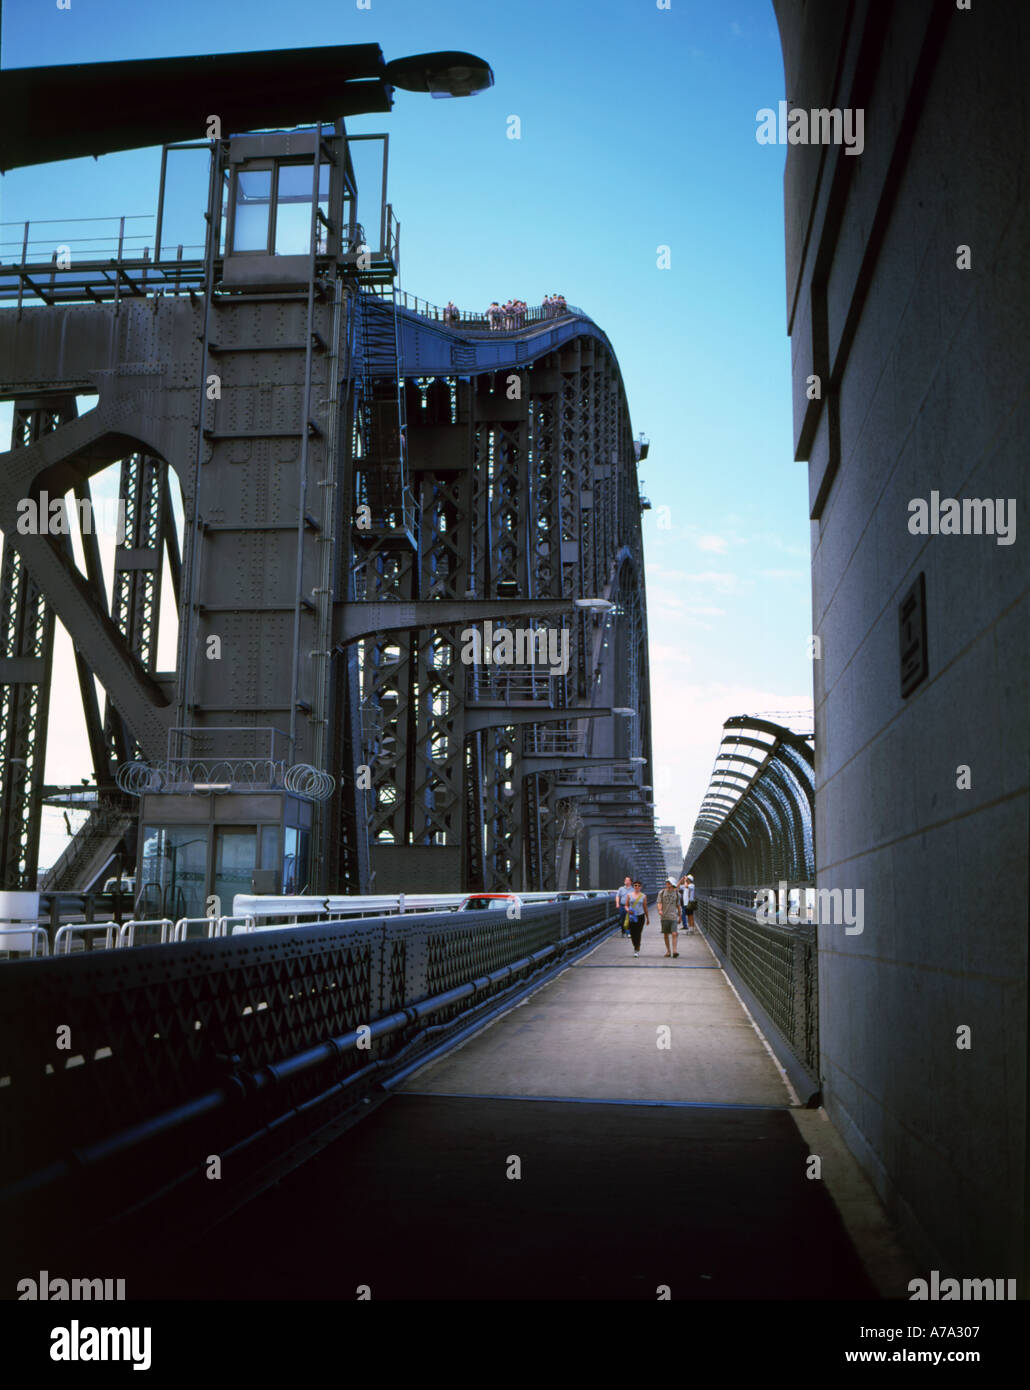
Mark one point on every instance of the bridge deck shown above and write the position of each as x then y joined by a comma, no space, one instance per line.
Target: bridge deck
640,1166
593,1034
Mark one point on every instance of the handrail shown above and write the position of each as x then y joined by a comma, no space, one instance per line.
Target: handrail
315,1050
466,318
66,932
182,927
223,924
33,931
127,934
273,914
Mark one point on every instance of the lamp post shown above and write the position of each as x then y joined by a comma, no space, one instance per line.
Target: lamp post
78,109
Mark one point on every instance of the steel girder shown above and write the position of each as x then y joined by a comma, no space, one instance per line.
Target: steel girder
26,663
500,475
528,498
129,621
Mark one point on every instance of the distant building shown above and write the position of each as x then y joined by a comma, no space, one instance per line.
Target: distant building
672,849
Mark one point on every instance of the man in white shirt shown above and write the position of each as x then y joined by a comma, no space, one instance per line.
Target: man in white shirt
621,898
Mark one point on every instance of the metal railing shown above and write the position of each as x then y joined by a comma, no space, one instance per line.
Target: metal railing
571,777
269,912
21,933
106,818
254,1045
24,248
478,321
63,934
775,967
510,684
538,740
127,933
68,264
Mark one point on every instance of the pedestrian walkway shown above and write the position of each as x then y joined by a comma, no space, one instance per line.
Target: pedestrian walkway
596,1033
562,1153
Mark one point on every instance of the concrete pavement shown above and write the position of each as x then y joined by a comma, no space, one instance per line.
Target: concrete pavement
622,1028
561,1153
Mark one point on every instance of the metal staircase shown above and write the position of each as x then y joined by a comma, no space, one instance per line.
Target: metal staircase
91,850
378,374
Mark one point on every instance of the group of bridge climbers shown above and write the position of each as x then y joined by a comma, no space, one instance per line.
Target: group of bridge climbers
510,316
676,905
507,316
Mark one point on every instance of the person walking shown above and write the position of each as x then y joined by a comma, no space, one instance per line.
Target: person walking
639,917
669,915
622,896
689,901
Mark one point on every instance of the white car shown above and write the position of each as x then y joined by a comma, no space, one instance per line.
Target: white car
478,902
125,885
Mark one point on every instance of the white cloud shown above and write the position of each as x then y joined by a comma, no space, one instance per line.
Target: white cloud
776,543
687,718
720,580
717,545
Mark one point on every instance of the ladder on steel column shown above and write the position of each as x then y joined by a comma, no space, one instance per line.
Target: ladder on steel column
379,378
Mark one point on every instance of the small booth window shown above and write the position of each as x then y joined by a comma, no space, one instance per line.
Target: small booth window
272,208
173,870
270,847
235,853
295,859
252,211
293,208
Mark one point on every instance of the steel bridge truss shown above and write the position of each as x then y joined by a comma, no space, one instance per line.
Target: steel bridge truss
348,468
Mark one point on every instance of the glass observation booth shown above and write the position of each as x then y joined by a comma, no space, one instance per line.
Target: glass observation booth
266,199
216,820
199,845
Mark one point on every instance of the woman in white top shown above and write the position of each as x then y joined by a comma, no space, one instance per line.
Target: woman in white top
687,892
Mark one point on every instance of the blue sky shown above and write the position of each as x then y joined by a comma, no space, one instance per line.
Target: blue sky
637,132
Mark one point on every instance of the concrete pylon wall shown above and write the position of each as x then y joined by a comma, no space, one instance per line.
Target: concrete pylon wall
923,388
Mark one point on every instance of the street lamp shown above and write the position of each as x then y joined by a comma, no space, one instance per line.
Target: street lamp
65,112
623,709
441,74
596,605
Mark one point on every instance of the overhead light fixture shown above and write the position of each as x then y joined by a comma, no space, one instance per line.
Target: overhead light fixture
597,605
211,786
622,709
441,74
